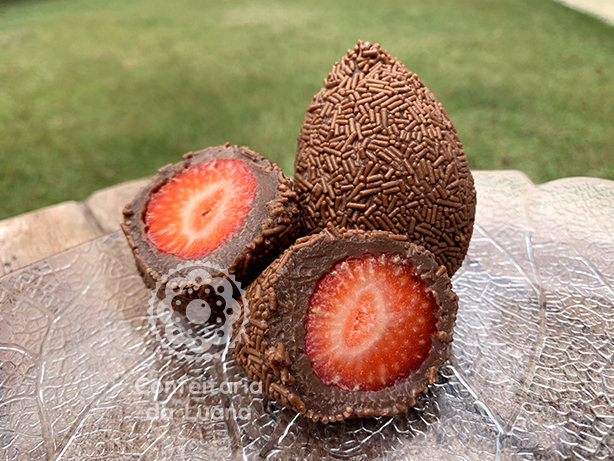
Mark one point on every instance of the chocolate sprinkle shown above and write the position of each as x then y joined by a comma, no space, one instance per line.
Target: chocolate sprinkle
400,147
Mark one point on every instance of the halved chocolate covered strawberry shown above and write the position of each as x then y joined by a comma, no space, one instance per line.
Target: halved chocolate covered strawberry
225,206
348,324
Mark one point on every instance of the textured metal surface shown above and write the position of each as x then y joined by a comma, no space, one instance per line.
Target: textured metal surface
531,374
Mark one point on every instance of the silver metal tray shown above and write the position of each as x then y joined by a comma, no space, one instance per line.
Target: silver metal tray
531,374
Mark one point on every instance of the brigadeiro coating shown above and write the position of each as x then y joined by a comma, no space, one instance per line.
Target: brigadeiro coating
271,224
378,151
286,299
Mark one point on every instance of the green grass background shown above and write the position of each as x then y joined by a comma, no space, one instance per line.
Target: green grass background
94,93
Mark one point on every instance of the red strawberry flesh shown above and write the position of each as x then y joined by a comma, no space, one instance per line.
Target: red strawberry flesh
370,323
200,208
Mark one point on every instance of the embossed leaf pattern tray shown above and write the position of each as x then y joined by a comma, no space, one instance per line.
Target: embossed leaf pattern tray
531,374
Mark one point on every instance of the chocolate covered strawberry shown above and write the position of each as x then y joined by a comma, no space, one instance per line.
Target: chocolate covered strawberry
224,206
348,324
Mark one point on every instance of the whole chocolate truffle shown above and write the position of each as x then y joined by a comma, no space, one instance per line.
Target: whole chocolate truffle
348,324
378,151
224,206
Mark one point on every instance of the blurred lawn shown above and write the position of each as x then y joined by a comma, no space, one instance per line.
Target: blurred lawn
94,93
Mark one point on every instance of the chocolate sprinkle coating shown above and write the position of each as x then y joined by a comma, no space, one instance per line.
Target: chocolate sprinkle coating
271,225
378,151
271,349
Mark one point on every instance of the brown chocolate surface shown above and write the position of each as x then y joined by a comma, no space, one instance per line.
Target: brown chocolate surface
378,151
271,348
271,225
